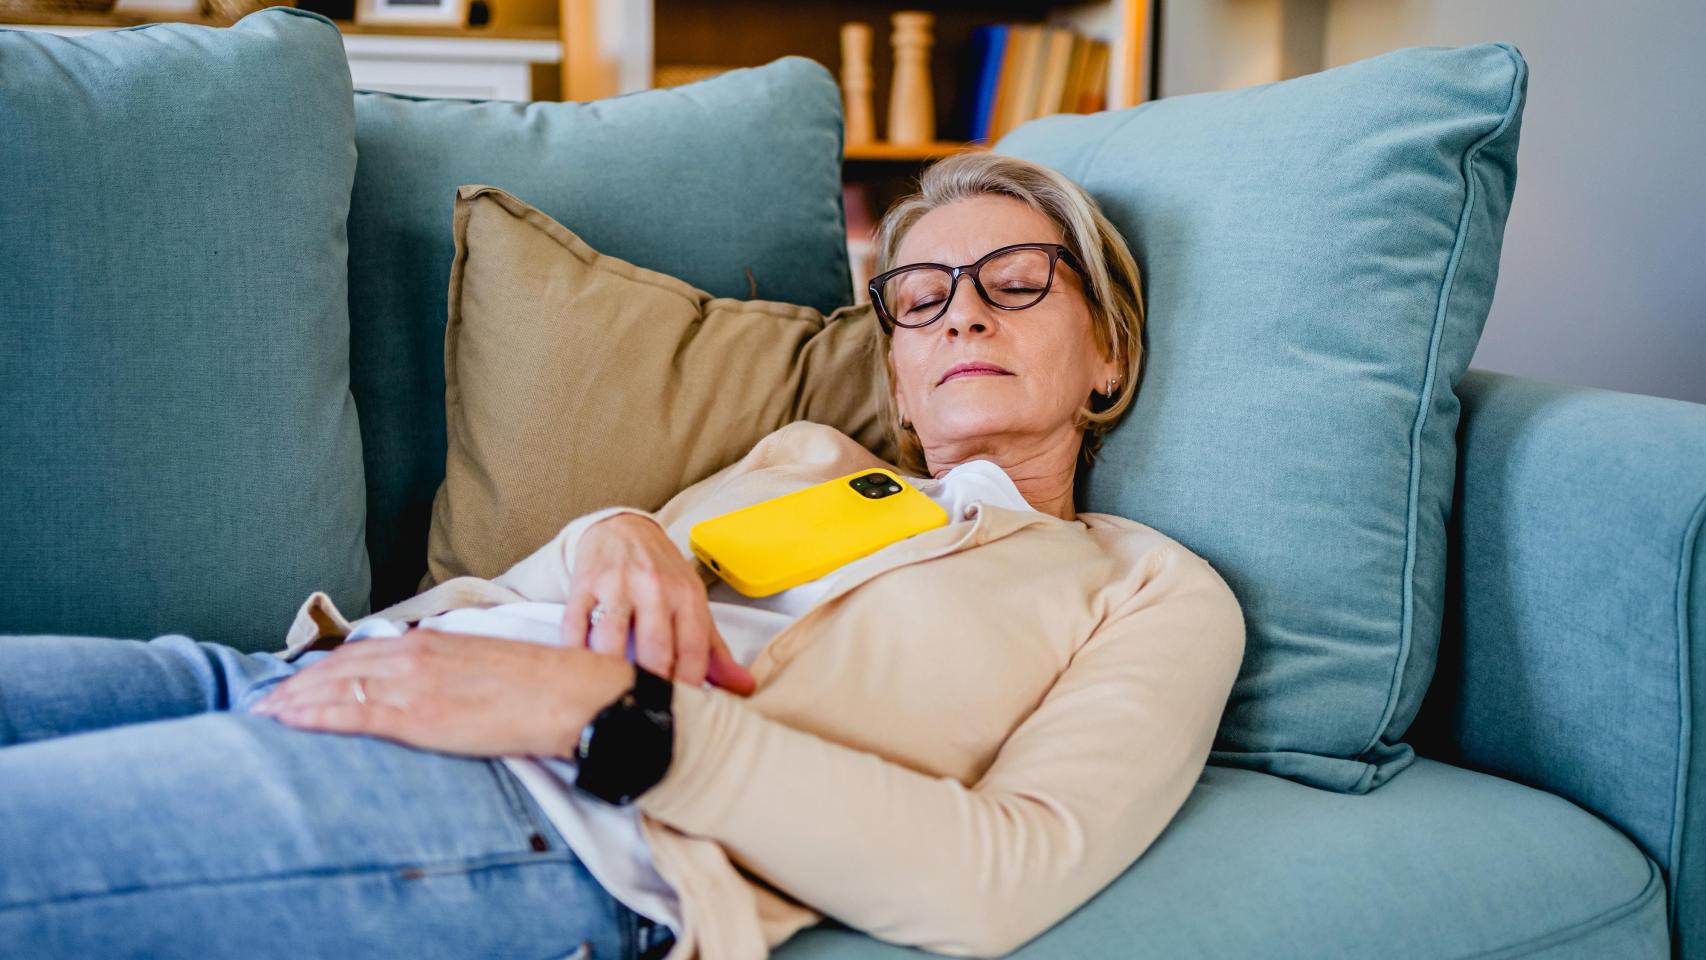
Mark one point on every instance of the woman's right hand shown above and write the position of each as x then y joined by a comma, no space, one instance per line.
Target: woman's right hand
628,564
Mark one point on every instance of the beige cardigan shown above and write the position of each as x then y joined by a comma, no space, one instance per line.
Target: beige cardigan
973,732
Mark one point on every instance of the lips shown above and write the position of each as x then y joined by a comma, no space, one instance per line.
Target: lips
972,369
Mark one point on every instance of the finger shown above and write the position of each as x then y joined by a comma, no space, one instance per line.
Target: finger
610,635
380,656
575,613
396,657
654,639
726,671
692,647
352,718
395,691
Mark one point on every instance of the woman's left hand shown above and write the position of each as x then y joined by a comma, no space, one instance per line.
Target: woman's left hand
456,693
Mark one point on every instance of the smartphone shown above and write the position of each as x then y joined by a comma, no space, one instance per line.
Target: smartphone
788,540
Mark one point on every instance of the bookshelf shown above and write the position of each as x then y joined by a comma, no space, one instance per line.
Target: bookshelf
612,49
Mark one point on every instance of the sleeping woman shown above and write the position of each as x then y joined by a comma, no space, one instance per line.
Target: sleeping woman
606,752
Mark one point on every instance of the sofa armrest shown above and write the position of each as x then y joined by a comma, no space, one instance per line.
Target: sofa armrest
1573,656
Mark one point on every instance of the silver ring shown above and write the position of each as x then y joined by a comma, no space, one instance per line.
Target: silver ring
597,614
361,691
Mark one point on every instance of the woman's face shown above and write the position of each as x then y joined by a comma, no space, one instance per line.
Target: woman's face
1048,349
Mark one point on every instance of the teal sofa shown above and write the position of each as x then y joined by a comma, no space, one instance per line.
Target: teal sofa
221,387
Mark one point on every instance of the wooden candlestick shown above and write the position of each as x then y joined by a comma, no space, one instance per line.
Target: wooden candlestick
912,111
856,83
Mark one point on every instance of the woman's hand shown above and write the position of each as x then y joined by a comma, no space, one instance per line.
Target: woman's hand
455,693
628,564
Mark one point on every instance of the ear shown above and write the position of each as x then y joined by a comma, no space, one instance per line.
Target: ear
1110,369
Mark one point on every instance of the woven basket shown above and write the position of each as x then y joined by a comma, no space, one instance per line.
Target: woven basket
11,7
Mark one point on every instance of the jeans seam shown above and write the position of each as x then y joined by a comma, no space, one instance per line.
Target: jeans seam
466,865
514,794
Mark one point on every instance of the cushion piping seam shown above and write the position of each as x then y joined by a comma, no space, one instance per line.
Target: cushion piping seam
1605,919
1425,400
1691,540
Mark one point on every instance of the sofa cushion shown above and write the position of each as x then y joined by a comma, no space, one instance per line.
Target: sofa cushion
1440,862
179,451
1320,256
576,380
732,184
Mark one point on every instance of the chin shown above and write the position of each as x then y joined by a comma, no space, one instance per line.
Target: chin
962,425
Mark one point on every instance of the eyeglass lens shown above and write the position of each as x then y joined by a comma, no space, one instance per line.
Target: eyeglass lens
1017,278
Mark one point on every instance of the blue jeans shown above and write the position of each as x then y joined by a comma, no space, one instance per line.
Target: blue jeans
145,813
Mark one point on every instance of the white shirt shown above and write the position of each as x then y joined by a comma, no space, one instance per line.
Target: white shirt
606,837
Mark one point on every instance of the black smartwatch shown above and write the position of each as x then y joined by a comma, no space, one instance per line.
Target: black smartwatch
627,747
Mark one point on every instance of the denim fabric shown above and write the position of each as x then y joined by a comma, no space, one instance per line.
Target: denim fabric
146,813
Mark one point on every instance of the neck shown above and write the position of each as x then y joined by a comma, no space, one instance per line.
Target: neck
1043,468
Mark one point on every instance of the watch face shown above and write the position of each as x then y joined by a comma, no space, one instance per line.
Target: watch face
625,751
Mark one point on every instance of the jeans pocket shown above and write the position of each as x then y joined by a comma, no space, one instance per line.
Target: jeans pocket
528,816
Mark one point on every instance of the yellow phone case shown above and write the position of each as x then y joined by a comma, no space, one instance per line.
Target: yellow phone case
788,540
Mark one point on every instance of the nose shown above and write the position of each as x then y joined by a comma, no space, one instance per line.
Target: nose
966,310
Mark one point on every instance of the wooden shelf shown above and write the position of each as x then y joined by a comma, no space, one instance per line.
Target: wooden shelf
908,152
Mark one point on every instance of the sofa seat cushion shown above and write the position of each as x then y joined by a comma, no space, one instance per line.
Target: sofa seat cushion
1439,862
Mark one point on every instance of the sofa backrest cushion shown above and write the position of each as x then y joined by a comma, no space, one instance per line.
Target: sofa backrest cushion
1319,257
732,184
179,451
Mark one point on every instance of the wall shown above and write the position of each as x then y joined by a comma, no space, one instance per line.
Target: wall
1603,276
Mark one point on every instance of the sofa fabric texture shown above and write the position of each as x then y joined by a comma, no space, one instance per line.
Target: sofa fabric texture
1468,865
576,380
179,450
1320,255
1574,651
732,184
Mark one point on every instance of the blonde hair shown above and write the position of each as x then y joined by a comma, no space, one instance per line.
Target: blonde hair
1112,284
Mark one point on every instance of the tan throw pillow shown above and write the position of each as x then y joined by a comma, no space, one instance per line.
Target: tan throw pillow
575,380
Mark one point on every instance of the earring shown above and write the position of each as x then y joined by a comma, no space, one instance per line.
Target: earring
1112,381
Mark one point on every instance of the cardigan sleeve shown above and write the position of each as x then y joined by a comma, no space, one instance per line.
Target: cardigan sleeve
1074,796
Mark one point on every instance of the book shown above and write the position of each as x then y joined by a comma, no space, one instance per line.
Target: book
1027,55
1052,82
990,51
1016,72
1092,96
1075,75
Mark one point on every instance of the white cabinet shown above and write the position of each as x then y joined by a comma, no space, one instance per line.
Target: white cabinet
473,67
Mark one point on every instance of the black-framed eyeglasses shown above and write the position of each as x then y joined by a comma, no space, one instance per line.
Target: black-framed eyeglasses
1008,278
